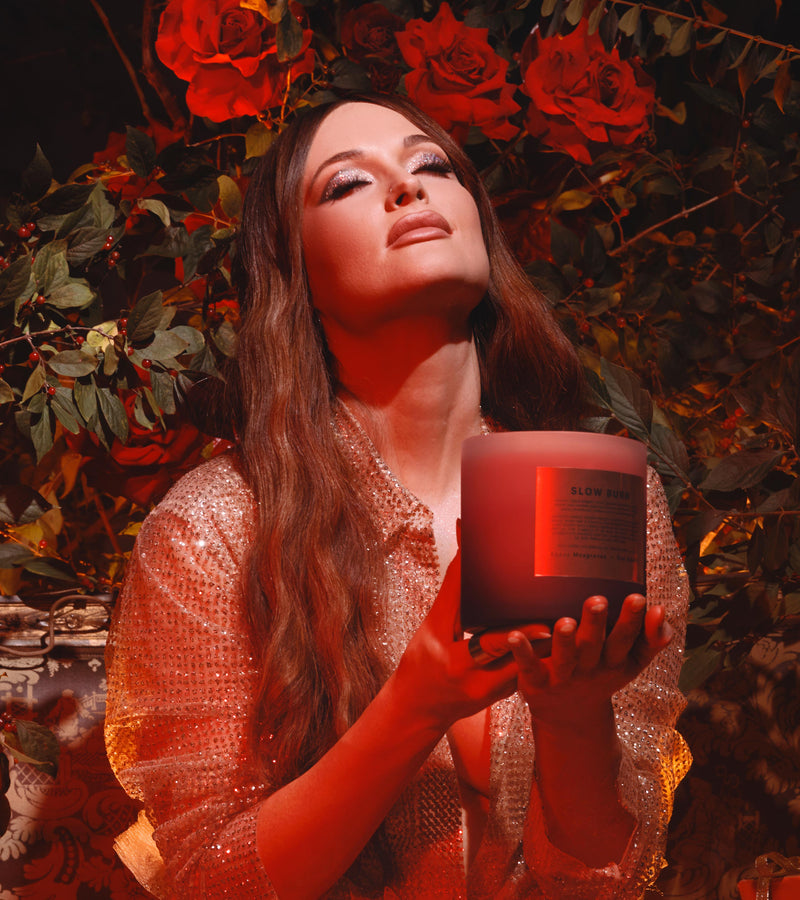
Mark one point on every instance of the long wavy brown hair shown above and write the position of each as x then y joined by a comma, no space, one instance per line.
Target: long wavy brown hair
315,570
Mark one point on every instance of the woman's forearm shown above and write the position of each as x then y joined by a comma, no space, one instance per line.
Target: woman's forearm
576,775
310,831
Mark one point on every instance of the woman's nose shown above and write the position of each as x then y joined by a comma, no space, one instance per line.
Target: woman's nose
406,190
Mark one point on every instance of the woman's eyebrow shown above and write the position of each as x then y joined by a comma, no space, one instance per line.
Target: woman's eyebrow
410,140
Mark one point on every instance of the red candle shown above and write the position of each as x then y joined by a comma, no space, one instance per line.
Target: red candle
549,518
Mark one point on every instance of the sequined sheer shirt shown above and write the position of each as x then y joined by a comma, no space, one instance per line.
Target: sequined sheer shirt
182,686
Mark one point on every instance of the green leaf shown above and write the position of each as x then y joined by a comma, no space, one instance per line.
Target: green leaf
6,393
12,554
257,140
166,345
574,11
194,339
113,412
14,280
629,401
157,208
145,317
42,434
570,200
681,40
20,504
289,37
35,383
141,152
230,197
741,470
596,16
743,55
37,176
66,199
548,7
103,212
85,395
205,362
199,244
86,242
225,338
630,21
716,97
163,391
50,268
39,743
671,457
72,363
75,294
65,410
662,26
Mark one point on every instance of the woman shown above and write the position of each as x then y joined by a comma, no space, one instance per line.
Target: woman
290,694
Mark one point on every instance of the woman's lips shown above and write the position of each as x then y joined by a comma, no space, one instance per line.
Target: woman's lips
418,226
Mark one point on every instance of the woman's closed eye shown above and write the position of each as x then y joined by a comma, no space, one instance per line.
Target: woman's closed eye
343,183
431,162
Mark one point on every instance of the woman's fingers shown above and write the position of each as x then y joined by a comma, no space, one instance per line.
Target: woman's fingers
493,645
564,656
625,632
591,633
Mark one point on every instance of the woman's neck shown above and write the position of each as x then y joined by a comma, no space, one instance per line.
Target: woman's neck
417,394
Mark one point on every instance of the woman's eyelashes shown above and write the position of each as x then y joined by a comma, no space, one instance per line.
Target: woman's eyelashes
348,180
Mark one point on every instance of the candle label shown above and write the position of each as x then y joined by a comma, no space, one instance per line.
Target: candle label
589,523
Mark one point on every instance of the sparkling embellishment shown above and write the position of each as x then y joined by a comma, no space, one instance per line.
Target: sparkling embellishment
181,692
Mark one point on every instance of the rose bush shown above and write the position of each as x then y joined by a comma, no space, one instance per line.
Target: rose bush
456,77
228,55
144,467
580,92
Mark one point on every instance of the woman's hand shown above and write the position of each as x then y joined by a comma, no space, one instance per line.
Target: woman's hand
437,673
585,668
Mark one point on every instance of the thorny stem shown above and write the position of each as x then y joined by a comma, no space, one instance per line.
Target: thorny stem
679,215
125,61
757,39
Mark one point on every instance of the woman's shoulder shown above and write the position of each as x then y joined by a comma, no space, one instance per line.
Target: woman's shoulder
213,495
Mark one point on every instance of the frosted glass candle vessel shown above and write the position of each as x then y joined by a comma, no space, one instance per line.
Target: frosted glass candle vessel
549,518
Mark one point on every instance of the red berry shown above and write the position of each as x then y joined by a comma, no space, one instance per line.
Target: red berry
146,363
24,232
114,255
588,282
79,339
585,327
123,322
42,544
34,356
41,300
620,321
111,263
50,390
31,226
173,373
130,351
122,330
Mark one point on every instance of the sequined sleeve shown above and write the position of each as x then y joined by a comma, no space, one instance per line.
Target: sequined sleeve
655,756
181,687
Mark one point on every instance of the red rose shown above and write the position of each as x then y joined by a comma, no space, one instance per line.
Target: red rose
580,92
228,55
149,463
369,36
369,31
457,78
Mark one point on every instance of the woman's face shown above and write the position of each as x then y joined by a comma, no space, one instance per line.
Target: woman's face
388,230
